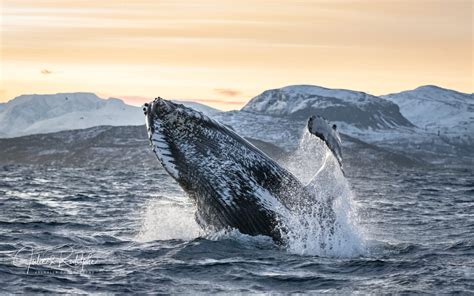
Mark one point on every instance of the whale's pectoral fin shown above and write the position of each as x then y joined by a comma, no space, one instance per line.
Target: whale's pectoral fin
328,182
328,171
321,128
319,149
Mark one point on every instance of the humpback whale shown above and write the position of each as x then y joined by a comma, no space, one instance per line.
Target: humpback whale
232,183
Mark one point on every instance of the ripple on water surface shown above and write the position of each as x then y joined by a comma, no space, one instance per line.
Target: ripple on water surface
134,231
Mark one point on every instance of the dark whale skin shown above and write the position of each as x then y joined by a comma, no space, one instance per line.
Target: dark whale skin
234,184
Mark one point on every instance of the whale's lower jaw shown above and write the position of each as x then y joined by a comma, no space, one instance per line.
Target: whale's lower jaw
234,184
163,152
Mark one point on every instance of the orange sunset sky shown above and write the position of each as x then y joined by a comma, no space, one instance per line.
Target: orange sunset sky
222,52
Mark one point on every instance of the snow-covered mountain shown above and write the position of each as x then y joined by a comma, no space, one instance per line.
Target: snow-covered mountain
357,109
35,114
279,115
438,111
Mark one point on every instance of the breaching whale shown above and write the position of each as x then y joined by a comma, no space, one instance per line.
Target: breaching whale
233,183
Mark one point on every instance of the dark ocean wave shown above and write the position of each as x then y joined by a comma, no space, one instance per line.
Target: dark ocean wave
102,231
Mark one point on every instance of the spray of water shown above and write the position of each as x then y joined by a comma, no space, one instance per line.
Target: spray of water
307,158
165,219
328,224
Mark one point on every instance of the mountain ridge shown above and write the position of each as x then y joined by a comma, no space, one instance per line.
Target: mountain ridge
438,111
357,108
32,114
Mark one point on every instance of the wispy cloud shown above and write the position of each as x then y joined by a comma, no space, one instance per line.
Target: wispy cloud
46,72
227,92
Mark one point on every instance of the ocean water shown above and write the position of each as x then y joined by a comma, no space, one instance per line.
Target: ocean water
67,230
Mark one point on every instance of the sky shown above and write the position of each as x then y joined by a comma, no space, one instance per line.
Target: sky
223,53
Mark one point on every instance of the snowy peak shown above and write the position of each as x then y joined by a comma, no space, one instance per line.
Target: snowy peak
355,108
343,94
437,109
434,93
436,89
30,114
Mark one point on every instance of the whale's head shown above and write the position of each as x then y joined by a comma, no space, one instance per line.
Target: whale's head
177,134
159,109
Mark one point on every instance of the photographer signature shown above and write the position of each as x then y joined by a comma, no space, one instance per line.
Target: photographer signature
65,258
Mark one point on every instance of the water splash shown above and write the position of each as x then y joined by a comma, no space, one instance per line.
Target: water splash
329,224
166,219
309,155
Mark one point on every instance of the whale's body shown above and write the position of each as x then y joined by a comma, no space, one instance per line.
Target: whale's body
234,184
